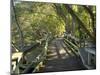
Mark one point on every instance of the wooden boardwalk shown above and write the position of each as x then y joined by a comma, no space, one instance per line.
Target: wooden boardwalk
61,59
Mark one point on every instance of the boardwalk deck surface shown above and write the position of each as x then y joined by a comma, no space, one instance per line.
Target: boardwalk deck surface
61,59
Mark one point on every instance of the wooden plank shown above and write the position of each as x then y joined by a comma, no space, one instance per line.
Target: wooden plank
17,55
72,50
91,50
89,59
73,45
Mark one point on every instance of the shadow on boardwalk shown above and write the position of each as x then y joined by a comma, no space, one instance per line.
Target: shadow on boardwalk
61,59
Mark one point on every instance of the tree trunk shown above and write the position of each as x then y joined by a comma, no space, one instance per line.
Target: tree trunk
18,27
73,26
91,15
82,25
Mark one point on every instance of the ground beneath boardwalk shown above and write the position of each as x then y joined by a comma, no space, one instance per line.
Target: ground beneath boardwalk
61,59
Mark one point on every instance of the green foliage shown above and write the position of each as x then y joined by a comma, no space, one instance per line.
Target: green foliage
37,20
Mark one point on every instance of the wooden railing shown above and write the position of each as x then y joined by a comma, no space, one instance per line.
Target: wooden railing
86,52
35,64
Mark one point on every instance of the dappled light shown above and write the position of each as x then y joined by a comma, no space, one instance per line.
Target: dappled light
52,37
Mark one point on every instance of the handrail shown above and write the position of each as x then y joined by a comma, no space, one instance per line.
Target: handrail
73,45
38,59
70,47
25,50
72,37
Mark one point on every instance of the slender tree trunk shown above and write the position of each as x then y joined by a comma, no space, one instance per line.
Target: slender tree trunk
73,26
18,27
